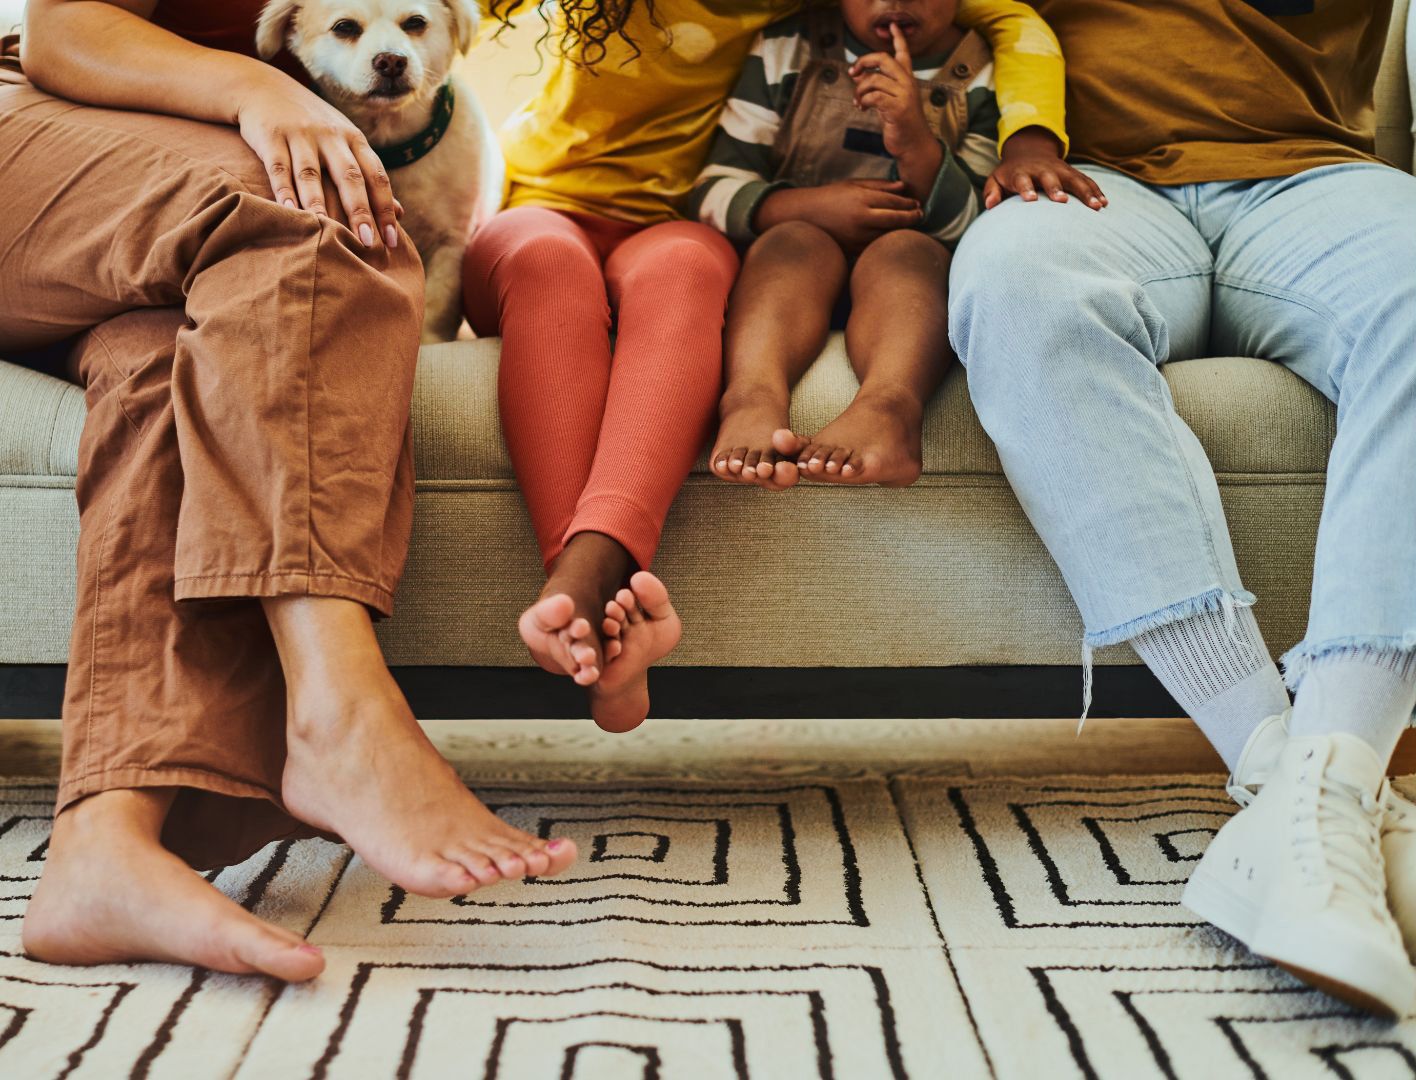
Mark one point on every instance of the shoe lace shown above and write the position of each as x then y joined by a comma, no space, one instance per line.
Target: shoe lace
1343,845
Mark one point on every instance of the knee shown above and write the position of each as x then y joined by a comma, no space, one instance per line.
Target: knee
696,263
794,242
906,250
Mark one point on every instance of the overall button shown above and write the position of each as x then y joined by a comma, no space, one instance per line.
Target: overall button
828,41
830,75
938,96
961,71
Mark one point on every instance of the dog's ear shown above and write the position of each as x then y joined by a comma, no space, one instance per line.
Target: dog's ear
273,26
464,23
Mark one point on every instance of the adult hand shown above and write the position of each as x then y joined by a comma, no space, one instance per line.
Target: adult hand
1032,159
852,212
302,140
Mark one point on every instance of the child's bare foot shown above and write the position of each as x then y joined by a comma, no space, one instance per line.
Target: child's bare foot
358,765
645,624
111,893
744,452
875,441
561,629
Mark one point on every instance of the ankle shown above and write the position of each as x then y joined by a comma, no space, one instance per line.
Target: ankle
591,561
755,394
128,810
896,398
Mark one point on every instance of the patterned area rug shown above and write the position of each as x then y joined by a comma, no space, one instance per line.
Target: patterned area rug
906,927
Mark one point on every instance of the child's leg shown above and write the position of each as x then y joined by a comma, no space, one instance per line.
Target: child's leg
534,276
669,284
898,341
778,319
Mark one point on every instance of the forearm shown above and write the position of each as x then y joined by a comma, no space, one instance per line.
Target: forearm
919,168
785,204
109,55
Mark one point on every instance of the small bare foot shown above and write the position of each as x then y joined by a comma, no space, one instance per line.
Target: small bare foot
559,638
358,765
644,623
111,893
561,628
745,450
875,441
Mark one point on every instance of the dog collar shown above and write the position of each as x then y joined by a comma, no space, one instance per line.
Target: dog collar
410,150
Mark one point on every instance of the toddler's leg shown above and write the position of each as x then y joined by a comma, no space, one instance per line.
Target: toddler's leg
778,319
898,341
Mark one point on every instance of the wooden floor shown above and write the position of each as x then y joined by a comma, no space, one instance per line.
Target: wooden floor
512,749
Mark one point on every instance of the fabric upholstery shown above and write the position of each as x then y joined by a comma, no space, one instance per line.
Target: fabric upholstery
947,572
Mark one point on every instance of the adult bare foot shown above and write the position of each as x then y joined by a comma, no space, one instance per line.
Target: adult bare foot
745,451
875,441
561,628
359,766
641,619
111,893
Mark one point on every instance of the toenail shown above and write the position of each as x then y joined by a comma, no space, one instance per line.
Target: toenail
311,950
554,845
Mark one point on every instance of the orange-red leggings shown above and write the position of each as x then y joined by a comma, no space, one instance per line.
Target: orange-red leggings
601,438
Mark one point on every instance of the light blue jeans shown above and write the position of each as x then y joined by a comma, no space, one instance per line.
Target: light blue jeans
1063,316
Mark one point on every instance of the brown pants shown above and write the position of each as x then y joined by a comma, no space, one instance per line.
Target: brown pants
248,370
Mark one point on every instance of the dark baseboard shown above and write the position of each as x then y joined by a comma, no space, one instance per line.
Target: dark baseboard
29,691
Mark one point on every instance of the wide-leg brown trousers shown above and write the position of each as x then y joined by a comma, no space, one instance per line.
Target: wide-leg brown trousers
248,369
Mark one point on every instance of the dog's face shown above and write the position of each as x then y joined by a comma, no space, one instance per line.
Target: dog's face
371,54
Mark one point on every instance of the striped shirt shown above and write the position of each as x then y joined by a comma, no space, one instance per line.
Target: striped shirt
744,166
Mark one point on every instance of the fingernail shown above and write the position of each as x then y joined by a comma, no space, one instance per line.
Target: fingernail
366,234
391,235
290,203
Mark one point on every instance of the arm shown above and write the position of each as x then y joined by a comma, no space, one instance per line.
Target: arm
736,177
110,54
1028,68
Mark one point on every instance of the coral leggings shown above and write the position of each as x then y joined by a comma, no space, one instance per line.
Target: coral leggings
601,438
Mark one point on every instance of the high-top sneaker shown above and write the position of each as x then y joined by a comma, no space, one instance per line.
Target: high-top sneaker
1298,875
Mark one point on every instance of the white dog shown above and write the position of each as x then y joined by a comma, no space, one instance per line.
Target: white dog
386,65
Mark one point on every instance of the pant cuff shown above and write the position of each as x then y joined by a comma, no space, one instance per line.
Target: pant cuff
1377,649
1206,603
620,519
72,789
284,583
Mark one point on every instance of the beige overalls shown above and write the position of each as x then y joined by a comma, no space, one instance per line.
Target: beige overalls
824,138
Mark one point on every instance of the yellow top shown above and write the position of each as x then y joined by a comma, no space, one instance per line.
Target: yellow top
628,139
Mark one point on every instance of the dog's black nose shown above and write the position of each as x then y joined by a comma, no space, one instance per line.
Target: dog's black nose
390,64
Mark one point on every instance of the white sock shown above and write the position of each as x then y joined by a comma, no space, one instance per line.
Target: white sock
1219,670
1365,692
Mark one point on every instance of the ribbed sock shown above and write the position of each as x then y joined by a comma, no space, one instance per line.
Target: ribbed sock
1365,692
1219,670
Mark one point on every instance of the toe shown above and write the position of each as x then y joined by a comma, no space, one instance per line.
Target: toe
839,456
611,628
652,594
260,947
788,442
785,474
549,614
478,865
627,600
735,460
562,853
580,628
583,654
455,878
536,860
852,466
586,676
508,862
613,648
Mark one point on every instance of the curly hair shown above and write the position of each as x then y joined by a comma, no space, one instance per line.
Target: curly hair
588,26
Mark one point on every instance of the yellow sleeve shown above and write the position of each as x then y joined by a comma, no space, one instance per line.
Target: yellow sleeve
1029,73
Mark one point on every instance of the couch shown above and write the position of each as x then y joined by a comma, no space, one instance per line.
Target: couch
947,573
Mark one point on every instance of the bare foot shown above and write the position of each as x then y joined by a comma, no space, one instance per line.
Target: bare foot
561,628
875,441
745,452
358,765
111,893
643,621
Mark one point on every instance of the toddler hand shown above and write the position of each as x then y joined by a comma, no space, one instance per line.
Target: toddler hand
1031,160
887,84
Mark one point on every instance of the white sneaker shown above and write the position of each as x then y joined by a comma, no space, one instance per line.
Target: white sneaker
1399,853
1298,875
1257,761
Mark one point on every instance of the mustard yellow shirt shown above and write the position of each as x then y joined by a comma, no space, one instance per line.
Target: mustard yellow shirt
628,140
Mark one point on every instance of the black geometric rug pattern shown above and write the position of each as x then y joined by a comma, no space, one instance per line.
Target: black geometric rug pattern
841,929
